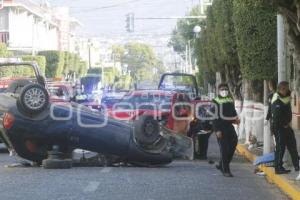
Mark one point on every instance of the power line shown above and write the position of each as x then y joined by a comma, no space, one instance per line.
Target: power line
177,17
106,7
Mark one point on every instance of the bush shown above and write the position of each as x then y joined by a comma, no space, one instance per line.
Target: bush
83,68
54,63
40,60
255,26
4,53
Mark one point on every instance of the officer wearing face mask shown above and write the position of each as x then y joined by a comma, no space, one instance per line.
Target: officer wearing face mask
225,115
284,134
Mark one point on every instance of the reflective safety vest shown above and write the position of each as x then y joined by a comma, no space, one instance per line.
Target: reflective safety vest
222,100
285,100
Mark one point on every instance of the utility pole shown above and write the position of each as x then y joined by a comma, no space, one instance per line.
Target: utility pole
186,58
89,52
190,57
281,48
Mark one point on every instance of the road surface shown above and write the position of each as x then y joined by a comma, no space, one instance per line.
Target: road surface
182,180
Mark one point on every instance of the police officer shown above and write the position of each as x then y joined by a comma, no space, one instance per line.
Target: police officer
272,88
201,125
284,134
225,116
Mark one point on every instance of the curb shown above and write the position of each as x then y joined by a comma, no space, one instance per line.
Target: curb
280,181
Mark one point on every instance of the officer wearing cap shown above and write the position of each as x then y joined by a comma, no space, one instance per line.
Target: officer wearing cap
284,134
225,115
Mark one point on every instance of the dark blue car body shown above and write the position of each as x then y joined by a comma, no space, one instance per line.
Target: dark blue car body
72,126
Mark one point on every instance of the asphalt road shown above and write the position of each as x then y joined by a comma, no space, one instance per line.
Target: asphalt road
182,180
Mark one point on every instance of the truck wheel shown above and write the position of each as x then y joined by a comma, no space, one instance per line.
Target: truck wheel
57,163
33,99
146,130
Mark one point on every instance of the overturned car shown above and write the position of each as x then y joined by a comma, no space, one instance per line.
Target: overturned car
45,132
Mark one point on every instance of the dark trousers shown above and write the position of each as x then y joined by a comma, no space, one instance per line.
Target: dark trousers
203,144
227,145
285,137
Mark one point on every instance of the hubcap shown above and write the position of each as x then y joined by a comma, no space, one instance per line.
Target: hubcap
149,129
34,98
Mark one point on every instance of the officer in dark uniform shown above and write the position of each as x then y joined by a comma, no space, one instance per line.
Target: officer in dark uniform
272,88
201,125
225,116
284,134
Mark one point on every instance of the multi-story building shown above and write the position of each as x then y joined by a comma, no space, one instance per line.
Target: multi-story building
29,27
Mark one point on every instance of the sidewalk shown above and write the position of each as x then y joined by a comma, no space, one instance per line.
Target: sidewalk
286,183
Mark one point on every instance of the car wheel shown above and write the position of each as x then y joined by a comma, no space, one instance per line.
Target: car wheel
57,163
33,98
146,130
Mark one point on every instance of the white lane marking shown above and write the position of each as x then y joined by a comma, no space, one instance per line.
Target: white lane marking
106,170
92,186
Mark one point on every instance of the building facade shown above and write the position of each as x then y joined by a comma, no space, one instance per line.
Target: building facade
28,27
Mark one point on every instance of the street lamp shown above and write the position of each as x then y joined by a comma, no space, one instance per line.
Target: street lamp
89,52
197,29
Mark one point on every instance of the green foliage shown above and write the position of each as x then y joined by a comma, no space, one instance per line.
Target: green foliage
73,64
83,68
139,56
40,60
255,26
118,52
184,31
20,71
124,82
60,64
4,53
111,75
140,59
54,63
225,32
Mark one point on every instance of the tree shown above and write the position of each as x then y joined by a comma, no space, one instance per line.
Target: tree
141,61
83,68
40,60
118,52
255,27
54,63
4,51
216,49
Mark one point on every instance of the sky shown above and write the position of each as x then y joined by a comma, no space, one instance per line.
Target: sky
106,18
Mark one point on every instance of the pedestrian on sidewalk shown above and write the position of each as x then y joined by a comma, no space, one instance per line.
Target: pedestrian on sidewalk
284,134
225,116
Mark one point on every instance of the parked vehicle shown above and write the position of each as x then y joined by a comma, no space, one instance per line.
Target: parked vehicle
41,131
202,121
60,92
110,98
180,82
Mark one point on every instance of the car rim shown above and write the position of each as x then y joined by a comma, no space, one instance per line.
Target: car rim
34,98
149,128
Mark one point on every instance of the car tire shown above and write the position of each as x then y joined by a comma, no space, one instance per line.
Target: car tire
33,99
57,163
146,130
